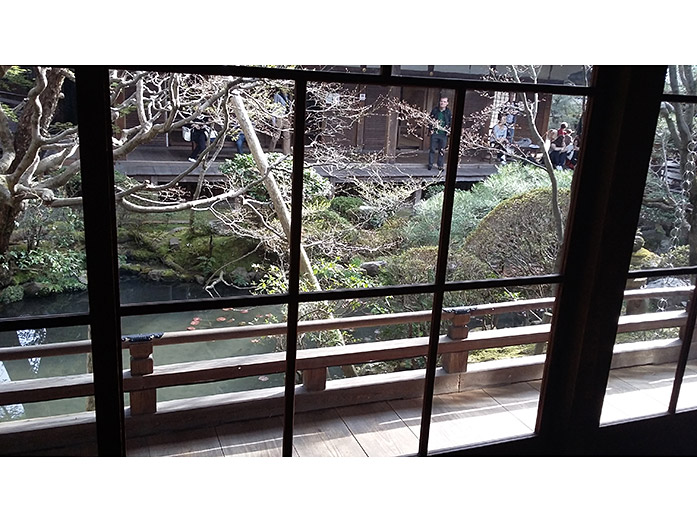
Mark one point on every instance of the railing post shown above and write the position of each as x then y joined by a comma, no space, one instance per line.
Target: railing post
540,347
637,306
454,362
315,379
142,401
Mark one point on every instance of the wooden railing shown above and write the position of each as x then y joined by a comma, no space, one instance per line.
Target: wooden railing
143,379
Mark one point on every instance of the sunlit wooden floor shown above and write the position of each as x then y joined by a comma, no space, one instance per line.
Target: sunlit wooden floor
392,428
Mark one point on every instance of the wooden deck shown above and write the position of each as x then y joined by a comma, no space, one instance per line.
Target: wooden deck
160,164
392,428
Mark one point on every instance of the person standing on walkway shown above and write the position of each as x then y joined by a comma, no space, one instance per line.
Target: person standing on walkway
199,138
439,133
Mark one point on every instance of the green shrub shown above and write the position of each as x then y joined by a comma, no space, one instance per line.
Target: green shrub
323,218
331,274
242,171
11,294
55,271
417,265
414,265
17,80
470,207
518,237
678,257
347,206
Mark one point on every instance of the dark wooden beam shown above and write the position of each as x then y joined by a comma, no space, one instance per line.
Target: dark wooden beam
97,170
392,126
606,200
294,241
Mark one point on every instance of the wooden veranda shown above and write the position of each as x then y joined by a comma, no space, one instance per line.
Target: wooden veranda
373,415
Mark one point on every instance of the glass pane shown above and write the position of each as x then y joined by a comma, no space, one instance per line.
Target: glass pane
193,210
579,75
646,350
362,184
340,228
42,364
491,359
469,72
687,398
508,221
210,361
663,237
680,79
544,74
688,388
42,254
376,325
352,375
37,367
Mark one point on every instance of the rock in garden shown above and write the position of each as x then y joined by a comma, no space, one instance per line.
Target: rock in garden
372,268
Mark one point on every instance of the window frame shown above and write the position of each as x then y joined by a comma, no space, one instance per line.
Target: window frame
614,91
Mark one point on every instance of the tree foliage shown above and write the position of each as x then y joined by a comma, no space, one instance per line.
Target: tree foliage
676,141
517,238
470,207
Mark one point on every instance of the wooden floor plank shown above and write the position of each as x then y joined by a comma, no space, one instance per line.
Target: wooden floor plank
520,399
688,389
324,434
610,412
655,380
471,417
623,401
392,428
379,430
461,419
190,443
253,438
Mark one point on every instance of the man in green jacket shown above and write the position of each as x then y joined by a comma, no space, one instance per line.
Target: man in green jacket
439,132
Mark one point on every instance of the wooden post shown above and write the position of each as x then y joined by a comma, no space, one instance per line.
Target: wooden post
418,195
540,347
315,379
637,306
360,126
392,127
454,362
142,401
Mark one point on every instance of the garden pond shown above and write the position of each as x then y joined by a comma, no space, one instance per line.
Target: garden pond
134,291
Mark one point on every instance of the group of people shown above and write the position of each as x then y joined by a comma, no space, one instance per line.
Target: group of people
201,130
500,138
563,147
